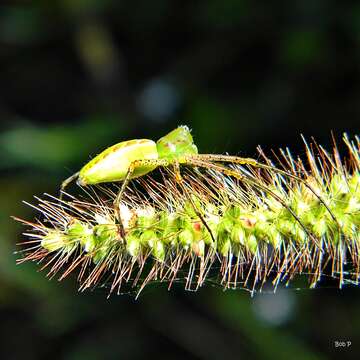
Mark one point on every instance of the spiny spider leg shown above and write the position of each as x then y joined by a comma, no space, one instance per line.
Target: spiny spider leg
179,179
193,162
255,163
133,166
66,182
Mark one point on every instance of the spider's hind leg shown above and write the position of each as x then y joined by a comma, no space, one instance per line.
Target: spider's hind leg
66,182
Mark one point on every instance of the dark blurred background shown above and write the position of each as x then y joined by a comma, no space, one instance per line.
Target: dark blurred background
77,76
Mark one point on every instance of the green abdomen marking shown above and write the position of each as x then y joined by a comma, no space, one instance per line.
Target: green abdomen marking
113,163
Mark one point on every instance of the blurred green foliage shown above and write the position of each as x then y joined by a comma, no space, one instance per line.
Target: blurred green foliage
53,148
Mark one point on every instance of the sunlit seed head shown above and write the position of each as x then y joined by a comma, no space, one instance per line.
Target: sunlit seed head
54,240
228,231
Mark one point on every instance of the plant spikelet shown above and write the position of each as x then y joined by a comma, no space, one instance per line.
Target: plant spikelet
241,227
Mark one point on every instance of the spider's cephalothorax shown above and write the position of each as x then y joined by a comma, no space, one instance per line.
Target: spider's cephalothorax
175,144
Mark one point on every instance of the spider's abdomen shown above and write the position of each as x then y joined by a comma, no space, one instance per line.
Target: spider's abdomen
113,163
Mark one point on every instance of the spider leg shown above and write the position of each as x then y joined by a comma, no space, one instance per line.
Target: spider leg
227,158
67,181
200,163
179,179
129,175
117,201
255,163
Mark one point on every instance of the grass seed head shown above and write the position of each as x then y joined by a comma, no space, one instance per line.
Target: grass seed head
239,233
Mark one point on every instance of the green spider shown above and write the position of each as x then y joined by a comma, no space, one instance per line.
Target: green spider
134,158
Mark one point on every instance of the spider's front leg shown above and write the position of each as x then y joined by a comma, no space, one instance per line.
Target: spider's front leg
191,160
215,158
228,158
